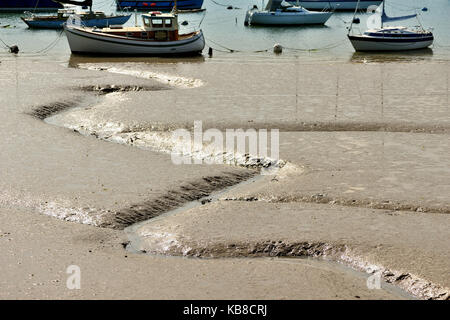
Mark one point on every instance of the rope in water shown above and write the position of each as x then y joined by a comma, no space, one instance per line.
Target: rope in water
231,50
46,49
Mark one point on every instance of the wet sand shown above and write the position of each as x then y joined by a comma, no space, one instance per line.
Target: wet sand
365,148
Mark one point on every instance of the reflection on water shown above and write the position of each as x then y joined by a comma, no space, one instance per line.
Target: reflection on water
406,56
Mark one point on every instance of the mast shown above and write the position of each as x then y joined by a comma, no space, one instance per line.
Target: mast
354,15
382,14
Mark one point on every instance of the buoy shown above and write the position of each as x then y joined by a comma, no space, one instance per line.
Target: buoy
425,9
356,20
210,52
14,49
230,7
277,48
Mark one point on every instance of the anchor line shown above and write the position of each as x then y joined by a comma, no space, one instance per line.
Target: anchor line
229,50
51,45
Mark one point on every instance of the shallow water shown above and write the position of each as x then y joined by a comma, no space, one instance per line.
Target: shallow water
224,31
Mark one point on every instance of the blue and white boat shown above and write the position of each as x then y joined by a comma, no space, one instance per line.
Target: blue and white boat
163,5
88,18
28,5
391,38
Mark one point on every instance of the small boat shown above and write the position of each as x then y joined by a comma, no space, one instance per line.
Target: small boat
391,38
89,18
163,5
28,5
341,5
280,12
158,36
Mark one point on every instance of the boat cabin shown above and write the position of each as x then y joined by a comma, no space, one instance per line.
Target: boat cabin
156,26
161,26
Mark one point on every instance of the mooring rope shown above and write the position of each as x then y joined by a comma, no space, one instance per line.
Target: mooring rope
46,49
231,50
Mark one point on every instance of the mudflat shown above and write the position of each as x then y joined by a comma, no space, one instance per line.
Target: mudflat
87,179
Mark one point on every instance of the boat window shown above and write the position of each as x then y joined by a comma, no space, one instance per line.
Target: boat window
168,22
146,21
144,34
157,23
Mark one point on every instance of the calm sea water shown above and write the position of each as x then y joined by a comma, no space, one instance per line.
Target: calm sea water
224,30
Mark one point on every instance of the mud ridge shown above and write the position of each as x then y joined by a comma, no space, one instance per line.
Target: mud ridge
47,110
188,192
323,199
334,126
340,253
105,89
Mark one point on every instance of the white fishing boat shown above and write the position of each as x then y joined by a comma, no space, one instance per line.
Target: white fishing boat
158,36
280,12
389,38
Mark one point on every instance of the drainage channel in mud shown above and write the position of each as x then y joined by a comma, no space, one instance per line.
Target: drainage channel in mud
48,114
135,239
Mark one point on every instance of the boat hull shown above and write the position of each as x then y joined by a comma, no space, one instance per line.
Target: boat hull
30,5
363,43
88,42
273,18
58,23
165,5
336,5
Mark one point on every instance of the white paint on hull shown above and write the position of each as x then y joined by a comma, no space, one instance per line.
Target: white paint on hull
83,41
389,46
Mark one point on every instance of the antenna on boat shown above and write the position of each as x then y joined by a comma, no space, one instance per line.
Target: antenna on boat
175,9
